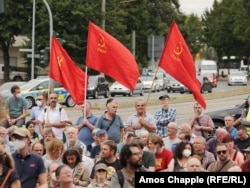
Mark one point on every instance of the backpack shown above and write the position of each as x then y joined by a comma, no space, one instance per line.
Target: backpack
120,177
60,109
64,136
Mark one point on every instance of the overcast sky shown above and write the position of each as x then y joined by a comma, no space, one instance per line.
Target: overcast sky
195,6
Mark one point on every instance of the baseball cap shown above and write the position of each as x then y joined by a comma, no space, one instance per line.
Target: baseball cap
100,132
22,131
247,149
100,166
164,96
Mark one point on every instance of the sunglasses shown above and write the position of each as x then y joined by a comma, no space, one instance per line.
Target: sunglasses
101,170
39,99
221,152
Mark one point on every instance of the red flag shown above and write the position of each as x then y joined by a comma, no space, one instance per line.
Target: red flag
107,55
63,70
177,60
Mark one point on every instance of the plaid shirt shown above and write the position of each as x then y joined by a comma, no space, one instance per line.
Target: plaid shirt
169,114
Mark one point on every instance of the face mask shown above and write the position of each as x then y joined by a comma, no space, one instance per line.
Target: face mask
19,144
186,152
53,176
18,95
38,103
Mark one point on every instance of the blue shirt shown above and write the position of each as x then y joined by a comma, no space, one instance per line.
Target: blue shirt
85,133
35,111
233,132
28,168
113,127
168,115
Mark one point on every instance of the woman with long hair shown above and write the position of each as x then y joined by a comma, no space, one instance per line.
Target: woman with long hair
80,172
54,152
7,167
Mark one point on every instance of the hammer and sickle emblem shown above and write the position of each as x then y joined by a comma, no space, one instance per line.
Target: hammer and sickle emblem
59,60
177,52
102,45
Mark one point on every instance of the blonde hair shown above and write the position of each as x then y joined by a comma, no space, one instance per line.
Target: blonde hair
8,159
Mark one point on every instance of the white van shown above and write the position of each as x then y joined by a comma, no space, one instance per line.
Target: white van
244,66
206,67
14,75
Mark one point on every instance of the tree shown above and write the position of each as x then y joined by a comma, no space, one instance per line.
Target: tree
15,22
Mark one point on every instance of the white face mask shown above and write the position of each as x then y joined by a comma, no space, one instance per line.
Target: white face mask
186,152
19,144
18,95
38,103
53,176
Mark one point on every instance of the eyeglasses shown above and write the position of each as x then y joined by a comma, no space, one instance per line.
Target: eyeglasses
39,99
221,152
197,143
53,98
137,153
101,170
197,107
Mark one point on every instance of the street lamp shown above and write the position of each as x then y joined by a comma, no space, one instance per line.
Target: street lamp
33,40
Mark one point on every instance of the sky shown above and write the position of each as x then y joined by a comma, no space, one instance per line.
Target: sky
195,6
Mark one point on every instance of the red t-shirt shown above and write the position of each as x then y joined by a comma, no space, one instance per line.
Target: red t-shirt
163,159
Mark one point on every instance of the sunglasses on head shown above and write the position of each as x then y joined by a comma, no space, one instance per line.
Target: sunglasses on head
221,152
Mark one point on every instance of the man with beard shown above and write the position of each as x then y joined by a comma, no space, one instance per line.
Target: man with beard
53,117
30,167
201,123
223,163
131,161
108,157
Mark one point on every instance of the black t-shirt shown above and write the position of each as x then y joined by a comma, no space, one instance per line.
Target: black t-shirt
242,144
112,167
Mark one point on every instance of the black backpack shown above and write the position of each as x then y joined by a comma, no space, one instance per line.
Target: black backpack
120,178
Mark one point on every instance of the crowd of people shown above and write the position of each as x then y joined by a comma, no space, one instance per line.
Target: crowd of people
46,149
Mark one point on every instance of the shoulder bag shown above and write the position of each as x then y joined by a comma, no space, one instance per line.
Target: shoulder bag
6,177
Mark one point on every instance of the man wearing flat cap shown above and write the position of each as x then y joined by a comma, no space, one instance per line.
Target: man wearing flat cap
164,116
30,167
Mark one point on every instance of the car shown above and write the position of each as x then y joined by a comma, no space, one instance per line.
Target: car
218,115
118,89
35,87
173,85
237,78
212,78
97,86
150,84
205,85
5,88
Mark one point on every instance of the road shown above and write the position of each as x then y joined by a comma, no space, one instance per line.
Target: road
184,108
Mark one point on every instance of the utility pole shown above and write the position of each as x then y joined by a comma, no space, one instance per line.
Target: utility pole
103,13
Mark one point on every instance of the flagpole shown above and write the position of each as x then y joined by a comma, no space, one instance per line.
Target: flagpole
152,85
86,89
